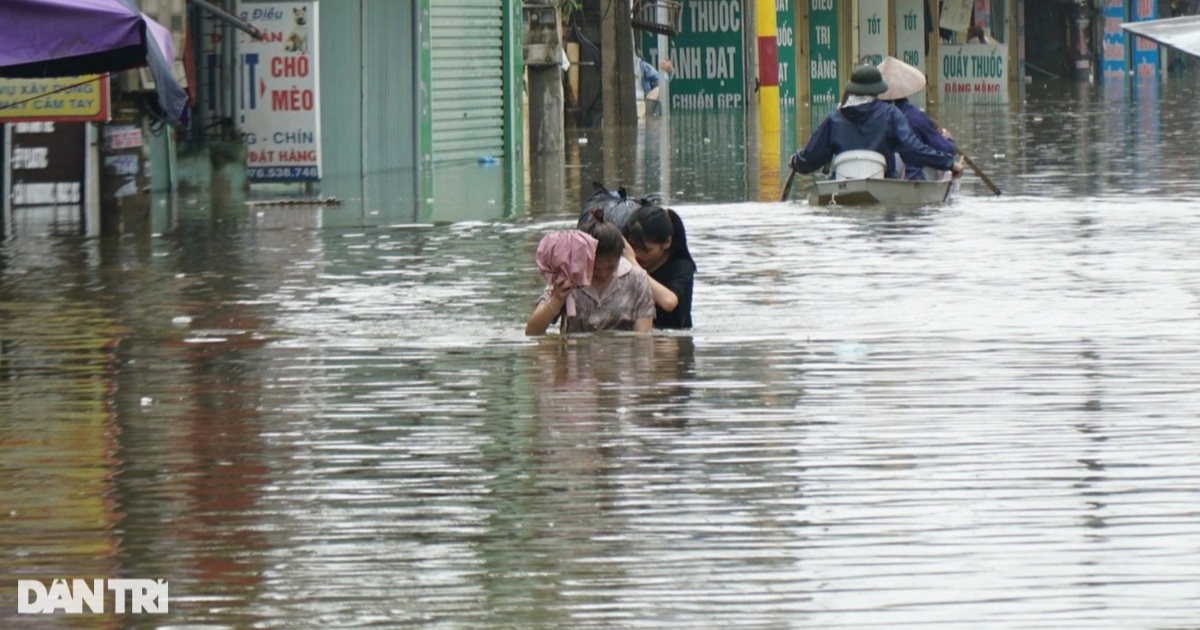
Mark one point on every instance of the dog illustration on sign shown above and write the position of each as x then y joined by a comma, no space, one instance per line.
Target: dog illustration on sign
297,41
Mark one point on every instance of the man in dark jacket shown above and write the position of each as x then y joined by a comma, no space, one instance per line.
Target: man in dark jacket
867,123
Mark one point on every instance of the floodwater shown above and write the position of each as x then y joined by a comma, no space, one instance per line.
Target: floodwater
978,415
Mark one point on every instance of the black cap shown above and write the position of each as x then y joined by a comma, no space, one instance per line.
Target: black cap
867,81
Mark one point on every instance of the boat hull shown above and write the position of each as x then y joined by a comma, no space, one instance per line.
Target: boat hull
877,191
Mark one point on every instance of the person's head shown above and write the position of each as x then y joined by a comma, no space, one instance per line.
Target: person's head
866,81
655,234
609,245
903,80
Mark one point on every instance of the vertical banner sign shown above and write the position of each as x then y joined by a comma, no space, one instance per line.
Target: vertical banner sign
279,101
66,99
824,85
785,22
47,163
910,37
910,32
1115,63
975,72
956,15
708,55
872,31
1145,51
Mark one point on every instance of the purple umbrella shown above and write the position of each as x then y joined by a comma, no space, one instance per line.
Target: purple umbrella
64,38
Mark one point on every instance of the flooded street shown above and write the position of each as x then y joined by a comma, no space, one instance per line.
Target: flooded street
977,415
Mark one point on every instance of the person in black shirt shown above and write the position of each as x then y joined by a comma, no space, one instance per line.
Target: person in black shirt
659,244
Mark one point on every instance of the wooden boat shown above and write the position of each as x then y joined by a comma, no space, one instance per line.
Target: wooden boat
877,191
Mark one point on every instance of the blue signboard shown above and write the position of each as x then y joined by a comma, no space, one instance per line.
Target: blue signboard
1115,62
1145,51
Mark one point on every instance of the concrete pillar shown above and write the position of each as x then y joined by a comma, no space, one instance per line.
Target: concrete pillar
933,62
545,109
547,181
91,195
545,103
6,223
770,147
616,73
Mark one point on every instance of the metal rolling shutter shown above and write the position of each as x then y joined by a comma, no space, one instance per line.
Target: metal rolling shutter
467,79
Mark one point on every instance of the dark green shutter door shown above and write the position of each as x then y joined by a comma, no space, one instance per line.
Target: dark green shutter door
468,79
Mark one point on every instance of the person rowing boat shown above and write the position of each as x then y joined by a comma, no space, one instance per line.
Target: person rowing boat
864,122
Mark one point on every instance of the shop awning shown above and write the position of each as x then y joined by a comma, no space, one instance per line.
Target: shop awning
64,38
1182,33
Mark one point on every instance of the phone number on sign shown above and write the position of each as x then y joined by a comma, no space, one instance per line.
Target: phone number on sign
283,172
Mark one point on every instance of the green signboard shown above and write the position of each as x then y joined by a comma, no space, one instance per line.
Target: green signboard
785,25
708,54
824,83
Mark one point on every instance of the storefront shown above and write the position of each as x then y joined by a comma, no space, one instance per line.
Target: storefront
381,105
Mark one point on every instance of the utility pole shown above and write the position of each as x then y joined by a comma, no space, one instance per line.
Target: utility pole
616,74
543,59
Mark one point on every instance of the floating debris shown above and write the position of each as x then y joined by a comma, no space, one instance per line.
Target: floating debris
296,201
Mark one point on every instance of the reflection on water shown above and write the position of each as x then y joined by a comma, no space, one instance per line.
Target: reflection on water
976,414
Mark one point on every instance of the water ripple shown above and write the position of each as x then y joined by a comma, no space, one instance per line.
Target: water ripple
981,414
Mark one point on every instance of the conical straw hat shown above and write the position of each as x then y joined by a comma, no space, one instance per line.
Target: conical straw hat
903,80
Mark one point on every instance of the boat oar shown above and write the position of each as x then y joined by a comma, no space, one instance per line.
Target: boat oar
787,188
949,187
978,171
974,167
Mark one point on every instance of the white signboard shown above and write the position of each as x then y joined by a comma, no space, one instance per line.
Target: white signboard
910,32
910,38
977,72
872,31
956,15
279,102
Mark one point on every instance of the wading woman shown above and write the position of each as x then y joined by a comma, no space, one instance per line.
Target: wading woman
617,295
659,243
